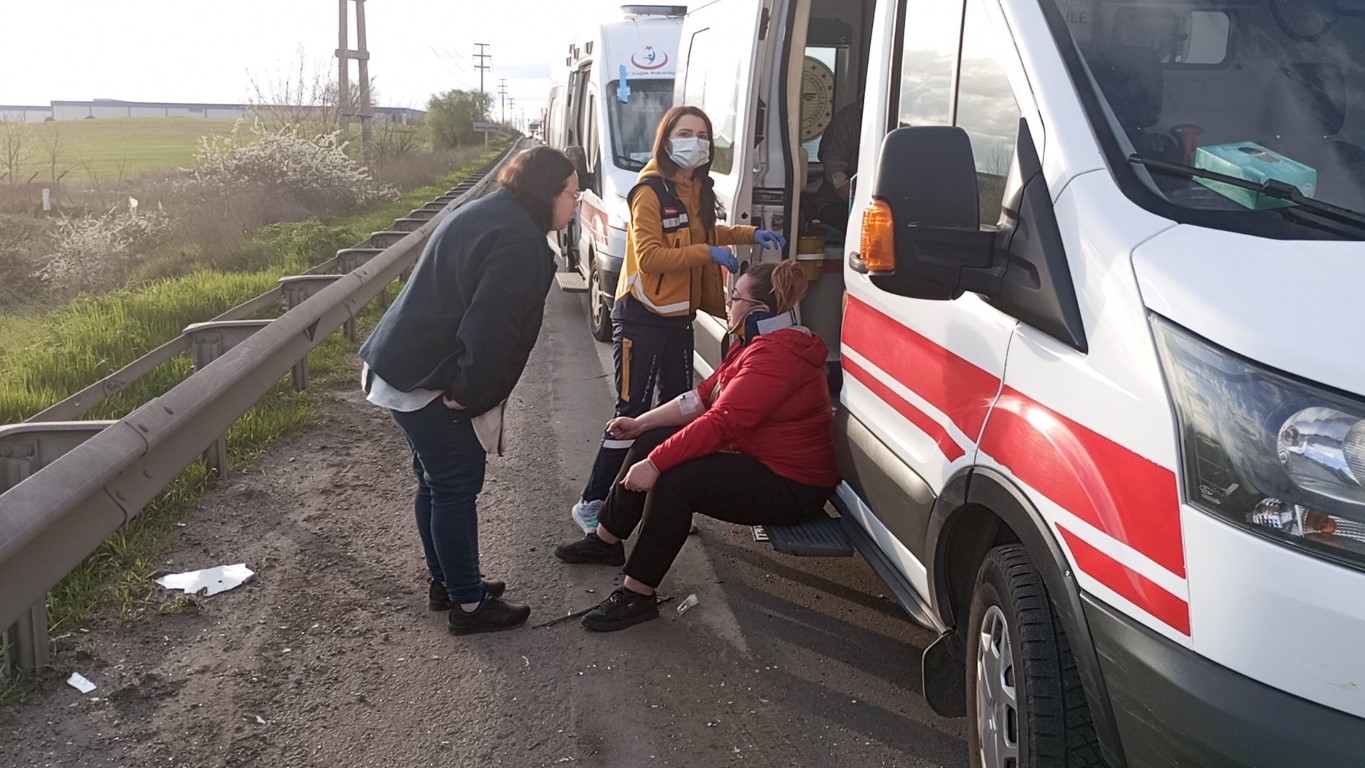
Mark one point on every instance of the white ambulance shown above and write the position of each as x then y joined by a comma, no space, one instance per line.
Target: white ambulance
615,86
1102,343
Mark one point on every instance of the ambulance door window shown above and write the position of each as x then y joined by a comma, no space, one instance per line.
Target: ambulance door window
986,108
712,83
930,31
592,145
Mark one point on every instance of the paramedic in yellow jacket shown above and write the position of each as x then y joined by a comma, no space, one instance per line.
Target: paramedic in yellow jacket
674,254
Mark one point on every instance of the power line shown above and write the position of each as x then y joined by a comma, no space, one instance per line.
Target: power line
502,92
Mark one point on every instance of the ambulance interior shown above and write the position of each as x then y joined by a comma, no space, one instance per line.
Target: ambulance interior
826,73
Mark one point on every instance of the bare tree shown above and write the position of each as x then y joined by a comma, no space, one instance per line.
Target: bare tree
14,146
54,150
305,94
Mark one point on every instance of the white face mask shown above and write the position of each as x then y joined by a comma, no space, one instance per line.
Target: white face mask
689,152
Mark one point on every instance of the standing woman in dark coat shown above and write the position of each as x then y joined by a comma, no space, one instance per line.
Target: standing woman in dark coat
451,348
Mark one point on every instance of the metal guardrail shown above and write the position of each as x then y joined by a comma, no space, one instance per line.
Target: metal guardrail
68,485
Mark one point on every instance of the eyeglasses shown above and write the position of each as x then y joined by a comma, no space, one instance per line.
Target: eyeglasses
577,196
734,296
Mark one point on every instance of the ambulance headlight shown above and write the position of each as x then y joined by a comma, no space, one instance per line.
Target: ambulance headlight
1277,455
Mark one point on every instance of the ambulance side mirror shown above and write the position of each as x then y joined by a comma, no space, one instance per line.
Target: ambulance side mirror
932,238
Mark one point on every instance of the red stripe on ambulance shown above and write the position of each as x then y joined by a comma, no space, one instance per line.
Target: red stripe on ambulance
1128,583
952,384
919,418
1126,496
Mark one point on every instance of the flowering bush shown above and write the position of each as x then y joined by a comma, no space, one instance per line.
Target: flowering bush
313,168
94,253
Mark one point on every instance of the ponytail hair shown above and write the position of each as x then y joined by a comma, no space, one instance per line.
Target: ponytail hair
780,285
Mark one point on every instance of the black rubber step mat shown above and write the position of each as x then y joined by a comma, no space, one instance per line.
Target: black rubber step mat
821,537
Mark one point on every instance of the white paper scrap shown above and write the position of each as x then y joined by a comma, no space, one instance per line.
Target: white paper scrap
214,580
80,683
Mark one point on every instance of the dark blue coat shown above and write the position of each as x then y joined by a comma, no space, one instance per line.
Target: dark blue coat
466,321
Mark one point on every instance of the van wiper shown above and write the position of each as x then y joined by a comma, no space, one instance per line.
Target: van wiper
1270,188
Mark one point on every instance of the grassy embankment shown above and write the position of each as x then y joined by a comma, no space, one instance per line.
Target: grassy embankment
79,343
116,148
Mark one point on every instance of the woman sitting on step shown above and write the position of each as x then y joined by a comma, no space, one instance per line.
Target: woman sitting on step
753,444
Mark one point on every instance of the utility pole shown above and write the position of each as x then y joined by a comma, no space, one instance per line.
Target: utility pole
502,91
346,112
481,66
513,104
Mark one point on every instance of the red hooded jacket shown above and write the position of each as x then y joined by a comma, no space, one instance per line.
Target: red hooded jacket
769,400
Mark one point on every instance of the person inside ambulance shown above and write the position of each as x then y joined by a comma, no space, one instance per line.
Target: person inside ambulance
674,253
753,444
838,164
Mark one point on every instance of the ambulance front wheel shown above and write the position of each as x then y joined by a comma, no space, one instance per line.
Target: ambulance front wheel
599,309
1025,702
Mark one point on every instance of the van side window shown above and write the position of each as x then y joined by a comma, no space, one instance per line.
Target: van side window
986,108
713,84
930,32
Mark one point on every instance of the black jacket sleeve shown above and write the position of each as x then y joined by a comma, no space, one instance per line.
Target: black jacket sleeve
509,292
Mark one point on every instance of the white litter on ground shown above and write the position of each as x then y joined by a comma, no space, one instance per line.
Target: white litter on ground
80,683
213,580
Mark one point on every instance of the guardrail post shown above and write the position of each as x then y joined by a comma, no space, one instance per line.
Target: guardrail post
208,342
25,449
349,260
297,289
386,238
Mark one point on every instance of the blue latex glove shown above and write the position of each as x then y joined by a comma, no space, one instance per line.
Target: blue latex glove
770,239
724,257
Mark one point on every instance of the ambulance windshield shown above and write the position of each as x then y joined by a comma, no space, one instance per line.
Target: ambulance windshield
1267,91
634,121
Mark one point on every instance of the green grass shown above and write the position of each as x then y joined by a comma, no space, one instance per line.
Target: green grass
112,148
78,343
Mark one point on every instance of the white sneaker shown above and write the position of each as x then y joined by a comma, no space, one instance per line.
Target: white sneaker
585,514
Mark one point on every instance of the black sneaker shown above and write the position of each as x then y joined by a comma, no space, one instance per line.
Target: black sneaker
623,609
492,615
439,600
591,549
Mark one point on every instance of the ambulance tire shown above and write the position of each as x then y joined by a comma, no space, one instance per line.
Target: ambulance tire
599,311
1024,694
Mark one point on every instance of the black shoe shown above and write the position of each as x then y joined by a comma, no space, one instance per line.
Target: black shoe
623,609
439,600
591,549
492,615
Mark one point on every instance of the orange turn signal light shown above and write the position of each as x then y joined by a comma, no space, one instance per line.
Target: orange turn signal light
878,242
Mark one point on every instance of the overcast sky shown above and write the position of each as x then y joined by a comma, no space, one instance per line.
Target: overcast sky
197,50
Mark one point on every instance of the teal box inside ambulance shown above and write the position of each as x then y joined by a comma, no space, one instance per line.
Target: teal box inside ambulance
1253,162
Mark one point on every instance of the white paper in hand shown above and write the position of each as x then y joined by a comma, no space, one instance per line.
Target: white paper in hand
488,428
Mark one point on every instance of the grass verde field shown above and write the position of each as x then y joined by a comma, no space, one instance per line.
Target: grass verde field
116,148
45,358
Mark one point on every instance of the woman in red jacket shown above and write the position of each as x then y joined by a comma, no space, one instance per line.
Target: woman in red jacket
753,444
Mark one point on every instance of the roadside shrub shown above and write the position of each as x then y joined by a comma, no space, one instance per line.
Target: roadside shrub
95,253
312,168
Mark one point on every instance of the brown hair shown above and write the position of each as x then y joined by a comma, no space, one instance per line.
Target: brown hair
701,173
536,177
780,285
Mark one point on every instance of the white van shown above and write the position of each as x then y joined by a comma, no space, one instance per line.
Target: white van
603,111
1102,420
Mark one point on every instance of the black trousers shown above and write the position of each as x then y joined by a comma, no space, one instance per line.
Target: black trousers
727,486
649,359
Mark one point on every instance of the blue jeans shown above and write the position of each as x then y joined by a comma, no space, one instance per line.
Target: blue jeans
449,463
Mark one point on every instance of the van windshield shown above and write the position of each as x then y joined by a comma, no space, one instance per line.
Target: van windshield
1260,90
634,121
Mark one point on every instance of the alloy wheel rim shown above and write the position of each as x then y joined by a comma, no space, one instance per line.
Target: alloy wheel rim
997,710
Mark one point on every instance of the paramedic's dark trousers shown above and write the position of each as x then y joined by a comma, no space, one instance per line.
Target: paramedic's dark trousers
727,486
648,358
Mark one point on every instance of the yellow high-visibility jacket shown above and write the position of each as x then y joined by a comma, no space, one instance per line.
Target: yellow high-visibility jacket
668,266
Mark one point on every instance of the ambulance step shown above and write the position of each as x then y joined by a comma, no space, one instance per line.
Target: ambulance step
571,282
822,537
